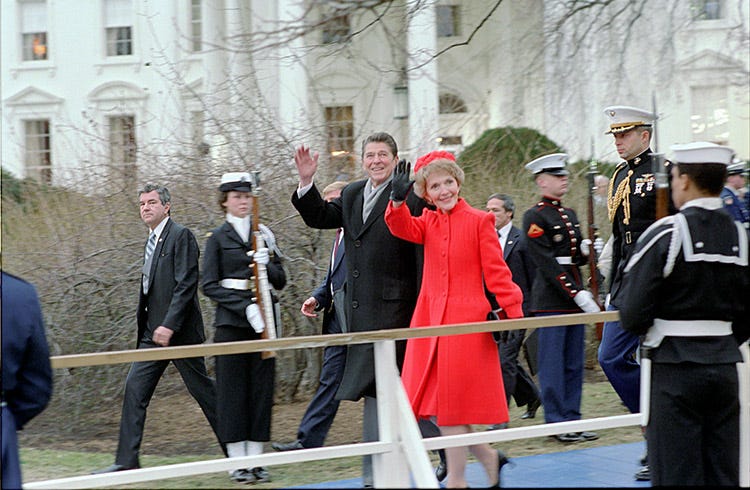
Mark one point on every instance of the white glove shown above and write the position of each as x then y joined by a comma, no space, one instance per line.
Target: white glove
598,245
252,312
261,256
585,247
585,301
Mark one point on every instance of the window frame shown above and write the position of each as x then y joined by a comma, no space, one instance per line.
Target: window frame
41,170
441,22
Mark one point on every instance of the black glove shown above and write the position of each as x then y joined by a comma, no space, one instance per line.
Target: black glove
400,185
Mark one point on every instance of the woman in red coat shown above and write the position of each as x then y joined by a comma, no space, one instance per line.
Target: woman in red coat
455,379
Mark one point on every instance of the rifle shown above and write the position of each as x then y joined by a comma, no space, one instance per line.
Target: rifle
661,179
262,291
593,235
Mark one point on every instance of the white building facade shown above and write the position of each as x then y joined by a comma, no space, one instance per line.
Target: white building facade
106,87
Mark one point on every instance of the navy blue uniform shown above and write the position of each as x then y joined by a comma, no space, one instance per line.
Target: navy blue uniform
27,375
689,278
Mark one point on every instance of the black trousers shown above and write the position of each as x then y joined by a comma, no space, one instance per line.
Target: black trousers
694,425
517,381
139,388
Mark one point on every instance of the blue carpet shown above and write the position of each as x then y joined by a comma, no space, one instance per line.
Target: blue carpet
608,466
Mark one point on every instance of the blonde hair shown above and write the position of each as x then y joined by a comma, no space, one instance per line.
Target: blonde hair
449,166
334,186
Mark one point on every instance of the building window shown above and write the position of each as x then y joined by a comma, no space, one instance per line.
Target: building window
197,134
451,104
118,21
34,31
38,150
709,117
448,20
706,9
122,144
340,133
336,29
195,26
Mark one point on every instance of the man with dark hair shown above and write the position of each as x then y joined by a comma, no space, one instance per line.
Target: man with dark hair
517,381
382,280
686,288
168,314
732,193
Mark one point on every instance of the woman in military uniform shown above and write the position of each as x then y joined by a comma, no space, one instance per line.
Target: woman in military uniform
245,382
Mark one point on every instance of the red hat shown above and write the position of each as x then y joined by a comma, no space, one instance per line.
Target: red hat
427,158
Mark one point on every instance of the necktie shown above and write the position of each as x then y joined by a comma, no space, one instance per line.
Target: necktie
150,246
336,246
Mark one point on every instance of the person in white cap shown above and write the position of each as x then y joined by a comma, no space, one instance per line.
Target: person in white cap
245,382
556,246
685,288
732,195
631,205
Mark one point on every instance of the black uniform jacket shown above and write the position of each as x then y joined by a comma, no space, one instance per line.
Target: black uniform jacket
226,257
382,274
705,277
172,298
553,235
641,204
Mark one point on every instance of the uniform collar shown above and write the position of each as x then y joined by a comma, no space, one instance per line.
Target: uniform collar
710,203
640,158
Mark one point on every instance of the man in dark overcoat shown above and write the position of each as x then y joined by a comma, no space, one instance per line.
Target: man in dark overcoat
382,270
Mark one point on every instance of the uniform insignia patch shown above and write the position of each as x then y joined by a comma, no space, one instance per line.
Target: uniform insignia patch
728,201
535,231
557,238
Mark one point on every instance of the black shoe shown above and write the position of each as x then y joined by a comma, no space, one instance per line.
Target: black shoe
243,476
504,425
568,437
644,474
287,446
502,460
112,468
441,471
261,474
588,436
531,409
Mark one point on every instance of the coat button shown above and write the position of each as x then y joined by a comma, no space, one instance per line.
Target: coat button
357,243
355,274
355,304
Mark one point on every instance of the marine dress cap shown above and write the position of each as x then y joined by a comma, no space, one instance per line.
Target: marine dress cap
702,152
624,118
553,163
236,181
427,158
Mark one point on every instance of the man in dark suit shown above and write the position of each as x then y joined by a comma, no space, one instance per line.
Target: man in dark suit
382,270
27,375
518,382
168,314
316,422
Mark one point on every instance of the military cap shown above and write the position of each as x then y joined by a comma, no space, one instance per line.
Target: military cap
553,164
702,152
624,118
236,181
737,167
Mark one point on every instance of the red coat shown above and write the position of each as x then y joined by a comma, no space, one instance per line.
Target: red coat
457,377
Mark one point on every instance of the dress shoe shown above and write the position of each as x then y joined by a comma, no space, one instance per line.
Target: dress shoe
242,476
643,474
441,471
261,474
531,409
504,425
568,437
502,460
287,446
588,436
112,468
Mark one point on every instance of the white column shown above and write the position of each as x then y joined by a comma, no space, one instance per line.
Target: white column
292,79
422,73
215,77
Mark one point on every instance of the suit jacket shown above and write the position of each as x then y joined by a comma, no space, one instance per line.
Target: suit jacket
334,281
382,274
516,255
172,298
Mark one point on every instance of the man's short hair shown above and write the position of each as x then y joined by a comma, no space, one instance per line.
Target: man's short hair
163,192
334,186
708,177
508,203
381,137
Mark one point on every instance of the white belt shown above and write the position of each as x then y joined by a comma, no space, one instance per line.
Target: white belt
241,284
564,260
673,328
